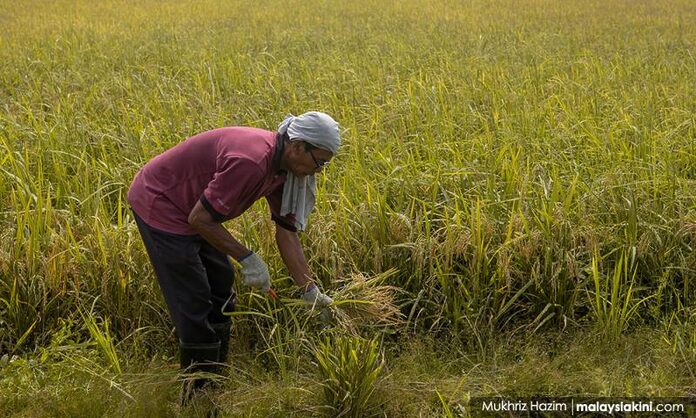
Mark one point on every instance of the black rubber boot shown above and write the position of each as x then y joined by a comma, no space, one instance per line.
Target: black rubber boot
197,358
222,330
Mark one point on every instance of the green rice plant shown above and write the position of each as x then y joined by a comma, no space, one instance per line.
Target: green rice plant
614,302
350,369
451,409
275,330
24,307
103,339
447,411
679,332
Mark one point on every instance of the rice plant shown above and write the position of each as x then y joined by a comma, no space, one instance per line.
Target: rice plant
349,369
615,302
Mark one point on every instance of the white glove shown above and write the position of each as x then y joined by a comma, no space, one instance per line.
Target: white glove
255,273
314,297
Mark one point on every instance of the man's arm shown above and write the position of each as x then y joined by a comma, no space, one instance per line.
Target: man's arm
202,222
290,249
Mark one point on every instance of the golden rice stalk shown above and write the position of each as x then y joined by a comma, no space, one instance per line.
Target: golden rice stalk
363,302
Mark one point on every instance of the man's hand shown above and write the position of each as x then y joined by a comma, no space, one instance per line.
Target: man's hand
255,272
314,297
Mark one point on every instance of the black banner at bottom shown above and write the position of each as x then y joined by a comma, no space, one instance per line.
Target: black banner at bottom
576,406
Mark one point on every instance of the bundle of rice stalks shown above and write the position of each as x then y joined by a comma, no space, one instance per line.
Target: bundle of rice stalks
360,303
363,302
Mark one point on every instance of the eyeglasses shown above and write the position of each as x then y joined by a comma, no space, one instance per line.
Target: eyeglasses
319,164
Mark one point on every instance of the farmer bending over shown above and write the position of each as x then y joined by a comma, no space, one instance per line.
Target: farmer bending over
181,197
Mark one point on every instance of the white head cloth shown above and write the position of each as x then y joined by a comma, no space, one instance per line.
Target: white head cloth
299,193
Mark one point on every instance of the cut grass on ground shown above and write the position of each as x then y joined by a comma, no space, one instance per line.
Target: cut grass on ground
81,383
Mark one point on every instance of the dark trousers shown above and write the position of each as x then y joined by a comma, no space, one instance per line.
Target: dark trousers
195,279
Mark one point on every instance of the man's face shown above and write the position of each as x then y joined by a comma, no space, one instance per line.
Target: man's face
303,162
